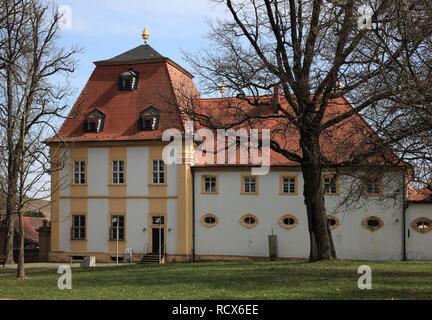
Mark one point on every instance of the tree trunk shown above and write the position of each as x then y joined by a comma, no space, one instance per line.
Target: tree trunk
9,237
12,171
21,270
321,242
11,207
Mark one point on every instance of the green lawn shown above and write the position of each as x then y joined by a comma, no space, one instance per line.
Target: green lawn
230,280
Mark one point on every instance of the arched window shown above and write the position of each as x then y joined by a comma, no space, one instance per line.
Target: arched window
249,221
373,223
209,220
333,222
288,221
150,119
95,121
422,225
128,80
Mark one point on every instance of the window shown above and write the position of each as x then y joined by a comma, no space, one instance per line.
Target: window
288,185
128,80
374,187
331,185
120,222
209,220
209,184
150,119
118,172
422,225
79,172
249,221
95,121
288,221
249,185
78,227
333,222
159,220
158,172
373,223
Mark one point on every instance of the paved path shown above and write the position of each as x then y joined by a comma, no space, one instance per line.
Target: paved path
56,265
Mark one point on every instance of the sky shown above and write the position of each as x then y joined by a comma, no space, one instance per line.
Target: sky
106,28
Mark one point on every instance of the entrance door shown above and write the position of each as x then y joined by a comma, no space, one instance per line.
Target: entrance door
158,238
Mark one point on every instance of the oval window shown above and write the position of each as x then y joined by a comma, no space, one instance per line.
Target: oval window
209,220
422,225
249,221
333,222
373,223
288,221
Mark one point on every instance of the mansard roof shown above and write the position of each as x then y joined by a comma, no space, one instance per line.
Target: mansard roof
157,87
141,53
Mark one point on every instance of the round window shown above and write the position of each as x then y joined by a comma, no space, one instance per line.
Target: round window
249,221
333,222
209,220
422,225
373,223
288,221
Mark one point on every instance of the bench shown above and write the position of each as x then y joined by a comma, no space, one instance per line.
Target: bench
3,260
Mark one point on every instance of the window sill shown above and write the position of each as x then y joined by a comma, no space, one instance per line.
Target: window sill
117,185
157,184
79,185
78,239
210,193
120,240
288,194
249,193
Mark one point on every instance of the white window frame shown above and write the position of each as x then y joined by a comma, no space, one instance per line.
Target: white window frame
158,172
290,183
79,172
118,172
248,183
328,186
81,227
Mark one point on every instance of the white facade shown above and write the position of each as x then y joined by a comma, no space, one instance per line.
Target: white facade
137,198
230,237
418,244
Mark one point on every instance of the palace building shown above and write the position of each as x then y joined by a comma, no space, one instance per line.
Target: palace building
109,183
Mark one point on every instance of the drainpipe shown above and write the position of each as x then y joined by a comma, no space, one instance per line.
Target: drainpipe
193,215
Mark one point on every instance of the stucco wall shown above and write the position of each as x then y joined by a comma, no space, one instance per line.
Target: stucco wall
418,244
229,237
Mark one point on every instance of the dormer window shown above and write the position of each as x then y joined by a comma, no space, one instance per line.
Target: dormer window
128,80
150,119
95,121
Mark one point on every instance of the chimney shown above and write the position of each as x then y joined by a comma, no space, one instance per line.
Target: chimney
276,93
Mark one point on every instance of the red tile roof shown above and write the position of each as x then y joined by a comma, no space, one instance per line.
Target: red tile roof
158,79
423,195
31,226
341,143
162,84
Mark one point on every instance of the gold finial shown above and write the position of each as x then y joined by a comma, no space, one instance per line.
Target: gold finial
222,90
145,35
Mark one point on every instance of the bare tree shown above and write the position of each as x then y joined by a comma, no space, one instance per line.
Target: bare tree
32,98
318,53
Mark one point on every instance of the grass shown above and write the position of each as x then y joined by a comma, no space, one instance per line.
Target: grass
230,280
